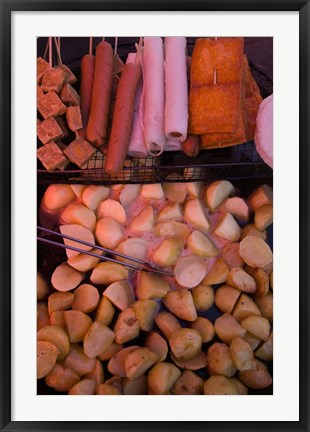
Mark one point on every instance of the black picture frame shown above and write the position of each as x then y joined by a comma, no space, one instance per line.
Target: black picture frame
6,8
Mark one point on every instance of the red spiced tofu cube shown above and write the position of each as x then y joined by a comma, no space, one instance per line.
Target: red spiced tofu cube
51,156
42,67
53,79
69,95
74,118
79,151
49,130
50,105
70,77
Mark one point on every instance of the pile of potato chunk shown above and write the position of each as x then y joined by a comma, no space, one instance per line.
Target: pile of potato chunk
107,330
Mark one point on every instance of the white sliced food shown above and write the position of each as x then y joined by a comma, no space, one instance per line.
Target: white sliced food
93,195
154,191
108,232
175,191
78,189
201,245
79,232
66,278
195,214
237,207
129,193
172,229
194,189
144,221
120,294
217,192
133,247
57,196
113,209
228,228
189,271
171,211
79,214
168,252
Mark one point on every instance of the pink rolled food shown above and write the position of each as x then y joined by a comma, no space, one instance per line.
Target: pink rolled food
263,136
152,108
136,146
176,90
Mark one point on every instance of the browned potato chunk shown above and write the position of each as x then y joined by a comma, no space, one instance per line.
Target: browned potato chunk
240,279
108,272
203,297
77,324
116,382
251,230
58,337
79,232
98,338
113,349
219,385
168,252
244,308
195,363
252,340
262,282
116,365
228,228
105,311
59,301
83,262
263,216
46,358
161,378
227,328
57,196
42,287
231,255
255,379
61,378
188,383
217,274
58,319
109,232
80,215
258,326
43,318
83,387
107,389
126,327
226,297
135,387
220,361
145,311
255,252
185,343
181,304
262,195
242,354
139,361
205,328
265,352
151,286
97,374
120,294
241,388
77,361
167,323
265,305
237,207
66,278
271,280
157,344
86,298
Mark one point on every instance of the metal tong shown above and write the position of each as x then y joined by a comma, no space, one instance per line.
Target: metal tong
140,264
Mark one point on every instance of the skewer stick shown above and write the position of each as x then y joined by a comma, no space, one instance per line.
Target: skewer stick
77,135
50,53
45,51
103,39
90,46
58,51
58,41
115,46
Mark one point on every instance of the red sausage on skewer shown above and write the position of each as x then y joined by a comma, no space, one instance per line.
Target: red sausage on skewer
86,88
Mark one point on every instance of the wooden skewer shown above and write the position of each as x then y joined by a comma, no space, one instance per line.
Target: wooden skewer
115,46
45,51
58,51
103,39
90,46
50,52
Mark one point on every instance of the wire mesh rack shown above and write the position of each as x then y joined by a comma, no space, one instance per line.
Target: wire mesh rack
241,161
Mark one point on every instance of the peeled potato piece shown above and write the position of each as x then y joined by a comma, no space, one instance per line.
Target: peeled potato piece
263,217
59,301
219,385
43,318
93,195
262,282
189,271
175,191
144,221
188,383
203,297
217,274
57,196
58,319
107,389
161,378
168,252
256,379
116,365
217,192
107,272
255,252
145,311
98,338
265,352
65,278
56,336
79,214
150,286
152,191
172,229
46,358
77,361
227,328
129,193
242,354
42,287
194,189
262,195
205,328
105,311
220,361
251,230
231,255
194,363
133,247
78,324
241,388
226,298
181,304
240,279
139,361
201,245
126,327
113,349
78,189
171,211
108,232
83,387
244,308
185,343
135,387
265,305
195,214
237,207
112,209
83,262
167,323
157,344
258,326
86,298
252,340
228,228
97,374
61,378
120,294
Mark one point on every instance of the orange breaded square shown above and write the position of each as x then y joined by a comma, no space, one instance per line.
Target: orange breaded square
79,151
50,105
51,156
53,79
203,61
229,60
214,109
